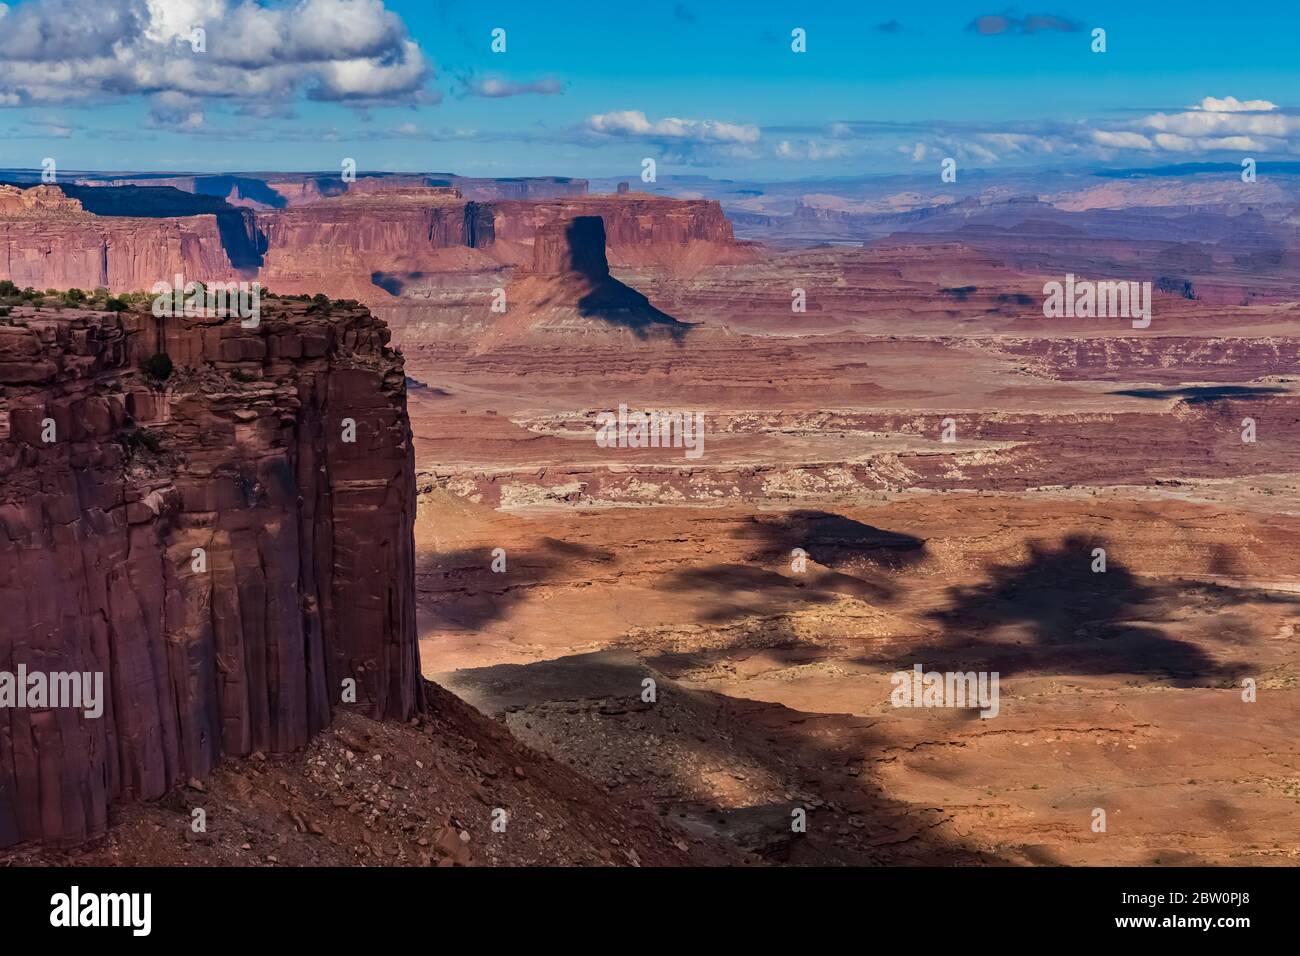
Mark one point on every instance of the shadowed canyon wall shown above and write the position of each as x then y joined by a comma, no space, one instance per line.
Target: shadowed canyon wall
209,541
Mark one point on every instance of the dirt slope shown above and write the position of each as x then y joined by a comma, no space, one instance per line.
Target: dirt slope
385,794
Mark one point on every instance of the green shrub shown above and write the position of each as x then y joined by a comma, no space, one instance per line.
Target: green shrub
158,367
138,439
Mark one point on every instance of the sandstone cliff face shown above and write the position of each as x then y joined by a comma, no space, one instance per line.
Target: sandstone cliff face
306,573
337,245
121,255
681,236
384,224
629,220
530,187
573,245
386,228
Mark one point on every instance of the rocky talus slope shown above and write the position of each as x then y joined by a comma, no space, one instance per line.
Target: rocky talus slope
228,541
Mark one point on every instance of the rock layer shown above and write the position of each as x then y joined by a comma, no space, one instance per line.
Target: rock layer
121,254
211,543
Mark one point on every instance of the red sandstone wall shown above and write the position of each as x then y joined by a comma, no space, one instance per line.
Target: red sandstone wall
330,241
573,245
119,254
628,221
340,229
308,539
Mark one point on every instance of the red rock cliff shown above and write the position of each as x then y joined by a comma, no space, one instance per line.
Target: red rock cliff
636,220
306,538
48,240
641,230
336,245
574,245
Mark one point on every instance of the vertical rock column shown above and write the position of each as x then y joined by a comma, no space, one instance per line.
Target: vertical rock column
213,545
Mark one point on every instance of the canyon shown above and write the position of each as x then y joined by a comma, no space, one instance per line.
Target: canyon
917,467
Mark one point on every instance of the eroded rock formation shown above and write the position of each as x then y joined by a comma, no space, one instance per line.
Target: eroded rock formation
49,240
209,540
636,220
572,245
277,190
360,243
39,202
681,235
338,245
568,290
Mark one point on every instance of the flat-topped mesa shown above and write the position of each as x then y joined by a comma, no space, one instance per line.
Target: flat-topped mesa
276,190
225,535
630,218
377,190
681,235
522,187
129,238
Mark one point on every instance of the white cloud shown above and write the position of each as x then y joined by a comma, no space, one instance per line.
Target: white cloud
345,50
635,123
1011,143
1230,104
973,150
812,150
1175,143
1206,123
176,111
1214,124
495,87
1122,139
1239,143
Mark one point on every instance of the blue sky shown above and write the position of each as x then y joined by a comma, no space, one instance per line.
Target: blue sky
590,89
